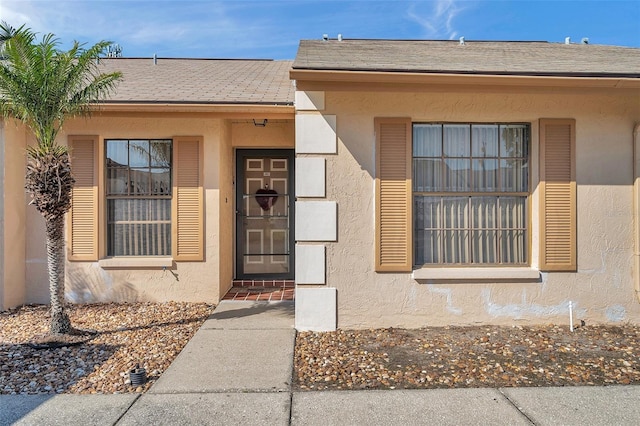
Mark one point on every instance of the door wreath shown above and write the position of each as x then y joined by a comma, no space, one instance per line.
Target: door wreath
266,198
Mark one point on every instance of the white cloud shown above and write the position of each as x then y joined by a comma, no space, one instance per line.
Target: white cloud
62,18
18,13
168,28
436,18
232,29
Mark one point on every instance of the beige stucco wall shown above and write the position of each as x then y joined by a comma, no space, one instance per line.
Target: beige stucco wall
276,134
227,212
12,214
204,281
601,291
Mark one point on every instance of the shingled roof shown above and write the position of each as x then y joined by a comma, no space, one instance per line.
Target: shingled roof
201,81
472,57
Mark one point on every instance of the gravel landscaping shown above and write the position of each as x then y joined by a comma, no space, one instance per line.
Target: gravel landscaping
152,335
455,357
148,334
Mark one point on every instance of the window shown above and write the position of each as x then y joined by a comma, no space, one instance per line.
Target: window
154,197
470,192
138,192
458,194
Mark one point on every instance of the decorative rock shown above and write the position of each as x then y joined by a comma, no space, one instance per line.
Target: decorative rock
484,356
127,334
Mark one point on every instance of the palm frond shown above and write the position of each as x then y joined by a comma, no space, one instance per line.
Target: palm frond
42,85
36,151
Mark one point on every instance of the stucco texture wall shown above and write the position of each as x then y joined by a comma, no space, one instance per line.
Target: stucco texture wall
12,214
205,281
602,290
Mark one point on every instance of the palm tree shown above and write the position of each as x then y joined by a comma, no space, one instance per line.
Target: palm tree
41,86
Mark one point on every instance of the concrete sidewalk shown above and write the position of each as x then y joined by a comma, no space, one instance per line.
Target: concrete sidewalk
237,370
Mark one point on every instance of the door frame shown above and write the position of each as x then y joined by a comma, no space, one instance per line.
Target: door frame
241,155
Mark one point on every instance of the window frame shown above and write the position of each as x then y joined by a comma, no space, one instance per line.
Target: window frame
107,196
470,194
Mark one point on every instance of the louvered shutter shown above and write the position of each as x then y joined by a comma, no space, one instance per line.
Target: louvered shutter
558,195
187,221
393,195
83,216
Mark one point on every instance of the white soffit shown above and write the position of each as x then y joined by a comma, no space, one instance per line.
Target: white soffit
316,221
316,134
310,177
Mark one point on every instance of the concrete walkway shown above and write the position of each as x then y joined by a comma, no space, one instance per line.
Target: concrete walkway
237,370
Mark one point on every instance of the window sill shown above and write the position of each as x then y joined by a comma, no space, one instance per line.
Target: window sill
136,262
489,274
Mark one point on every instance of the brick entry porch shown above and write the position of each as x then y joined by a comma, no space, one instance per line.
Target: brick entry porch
261,290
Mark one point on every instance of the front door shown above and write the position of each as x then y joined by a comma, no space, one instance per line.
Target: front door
264,214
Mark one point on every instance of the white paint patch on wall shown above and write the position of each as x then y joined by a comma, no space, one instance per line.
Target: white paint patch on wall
448,293
527,309
616,313
409,301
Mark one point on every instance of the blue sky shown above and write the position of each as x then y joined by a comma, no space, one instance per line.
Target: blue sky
272,29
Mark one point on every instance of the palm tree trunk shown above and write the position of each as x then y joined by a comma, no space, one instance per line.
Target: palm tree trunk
60,323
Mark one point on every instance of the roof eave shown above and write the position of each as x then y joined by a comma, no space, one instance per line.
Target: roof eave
243,110
449,78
